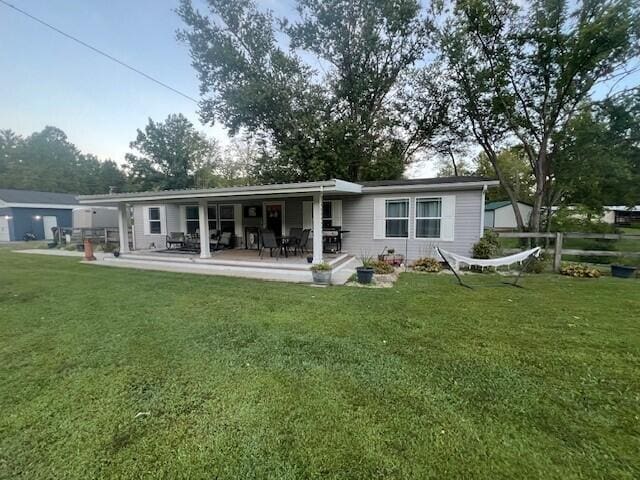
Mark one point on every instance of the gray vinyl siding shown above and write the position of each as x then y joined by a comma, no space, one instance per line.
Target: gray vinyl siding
357,215
357,218
172,224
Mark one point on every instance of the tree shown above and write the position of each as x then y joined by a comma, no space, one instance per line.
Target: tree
519,73
170,153
48,161
599,155
516,172
333,116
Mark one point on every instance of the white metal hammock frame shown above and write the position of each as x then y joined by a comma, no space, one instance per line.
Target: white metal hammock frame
453,260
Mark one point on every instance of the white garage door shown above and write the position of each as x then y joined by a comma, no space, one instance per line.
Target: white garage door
4,229
48,222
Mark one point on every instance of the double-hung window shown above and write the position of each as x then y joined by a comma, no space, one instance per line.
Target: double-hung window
327,214
155,222
227,219
428,217
212,213
397,218
192,217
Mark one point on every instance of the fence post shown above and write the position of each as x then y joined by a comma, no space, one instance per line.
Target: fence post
557,254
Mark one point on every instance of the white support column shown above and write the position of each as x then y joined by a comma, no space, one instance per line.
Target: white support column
203,217
317,228
123,227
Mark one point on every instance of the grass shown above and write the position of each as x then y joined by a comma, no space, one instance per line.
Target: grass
124,374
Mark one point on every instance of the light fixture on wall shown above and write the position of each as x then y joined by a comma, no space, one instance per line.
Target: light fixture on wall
8,217
37,217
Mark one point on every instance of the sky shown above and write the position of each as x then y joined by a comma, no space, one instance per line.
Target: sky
46,79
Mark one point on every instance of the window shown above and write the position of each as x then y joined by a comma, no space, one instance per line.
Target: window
397,218
227,221
428,217
327,217
213,218
193,220
155,223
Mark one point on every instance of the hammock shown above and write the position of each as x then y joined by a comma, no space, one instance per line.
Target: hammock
453,260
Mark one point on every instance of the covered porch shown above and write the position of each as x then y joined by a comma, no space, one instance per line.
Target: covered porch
246,215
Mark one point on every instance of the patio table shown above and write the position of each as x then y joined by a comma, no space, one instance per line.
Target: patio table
285,242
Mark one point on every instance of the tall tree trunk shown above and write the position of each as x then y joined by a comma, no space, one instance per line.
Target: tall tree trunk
453,162
513,198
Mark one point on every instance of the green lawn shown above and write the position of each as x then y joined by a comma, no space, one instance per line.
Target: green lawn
245,379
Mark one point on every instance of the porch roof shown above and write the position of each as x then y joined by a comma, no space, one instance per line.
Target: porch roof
285,189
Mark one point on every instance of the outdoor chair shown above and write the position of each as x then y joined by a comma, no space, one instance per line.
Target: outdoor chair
268,240
223,241
295,234
301,244
176,238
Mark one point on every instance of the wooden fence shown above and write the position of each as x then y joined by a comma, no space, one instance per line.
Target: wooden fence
559,237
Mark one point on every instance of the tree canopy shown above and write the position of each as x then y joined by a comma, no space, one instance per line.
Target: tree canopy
48,161
326,106
519,72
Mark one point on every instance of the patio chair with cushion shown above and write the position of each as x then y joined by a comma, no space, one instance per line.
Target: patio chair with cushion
268,240
223,241
176,238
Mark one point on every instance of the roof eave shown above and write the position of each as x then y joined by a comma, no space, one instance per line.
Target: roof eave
431,187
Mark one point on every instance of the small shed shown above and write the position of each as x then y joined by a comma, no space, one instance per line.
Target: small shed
500,215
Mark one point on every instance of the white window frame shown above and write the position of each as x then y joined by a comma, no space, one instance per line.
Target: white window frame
415,220
148,220
187,220
220,219
407,218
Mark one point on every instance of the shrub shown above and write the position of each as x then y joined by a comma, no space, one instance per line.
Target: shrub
382,268
427,264
579,270
321,267
108,247
536,265
580,219
488,246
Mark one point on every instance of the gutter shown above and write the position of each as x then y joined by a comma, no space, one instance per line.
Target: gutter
434,186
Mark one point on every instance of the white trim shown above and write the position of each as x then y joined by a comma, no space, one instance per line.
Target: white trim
307,188
436,186
220,219
385,218
416,218
162,220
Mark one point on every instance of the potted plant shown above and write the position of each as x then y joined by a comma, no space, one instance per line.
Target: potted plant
321,273
365,272
624,269
309,258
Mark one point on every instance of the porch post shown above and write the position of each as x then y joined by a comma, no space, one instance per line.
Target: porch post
123,227
317,228
203,217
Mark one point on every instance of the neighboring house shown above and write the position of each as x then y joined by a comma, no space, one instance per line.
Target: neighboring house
410,216
622,216
500,215
27,211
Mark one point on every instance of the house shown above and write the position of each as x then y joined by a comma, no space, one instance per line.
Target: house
410,216
622,216
25,212
500,215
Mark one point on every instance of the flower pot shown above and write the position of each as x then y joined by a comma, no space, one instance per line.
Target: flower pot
310,259
322,277
364,274
622,271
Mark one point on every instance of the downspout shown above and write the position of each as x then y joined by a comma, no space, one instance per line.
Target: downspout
484,192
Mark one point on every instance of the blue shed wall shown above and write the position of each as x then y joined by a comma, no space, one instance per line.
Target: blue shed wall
23,221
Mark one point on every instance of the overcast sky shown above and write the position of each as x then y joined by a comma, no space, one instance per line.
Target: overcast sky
46,79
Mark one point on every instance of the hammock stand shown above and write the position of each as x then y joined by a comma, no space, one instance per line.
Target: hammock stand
493,262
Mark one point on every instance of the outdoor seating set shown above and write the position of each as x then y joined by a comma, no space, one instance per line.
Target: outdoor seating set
295,242
191,242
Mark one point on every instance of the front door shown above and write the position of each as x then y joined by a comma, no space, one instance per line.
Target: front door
48,222
274,218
